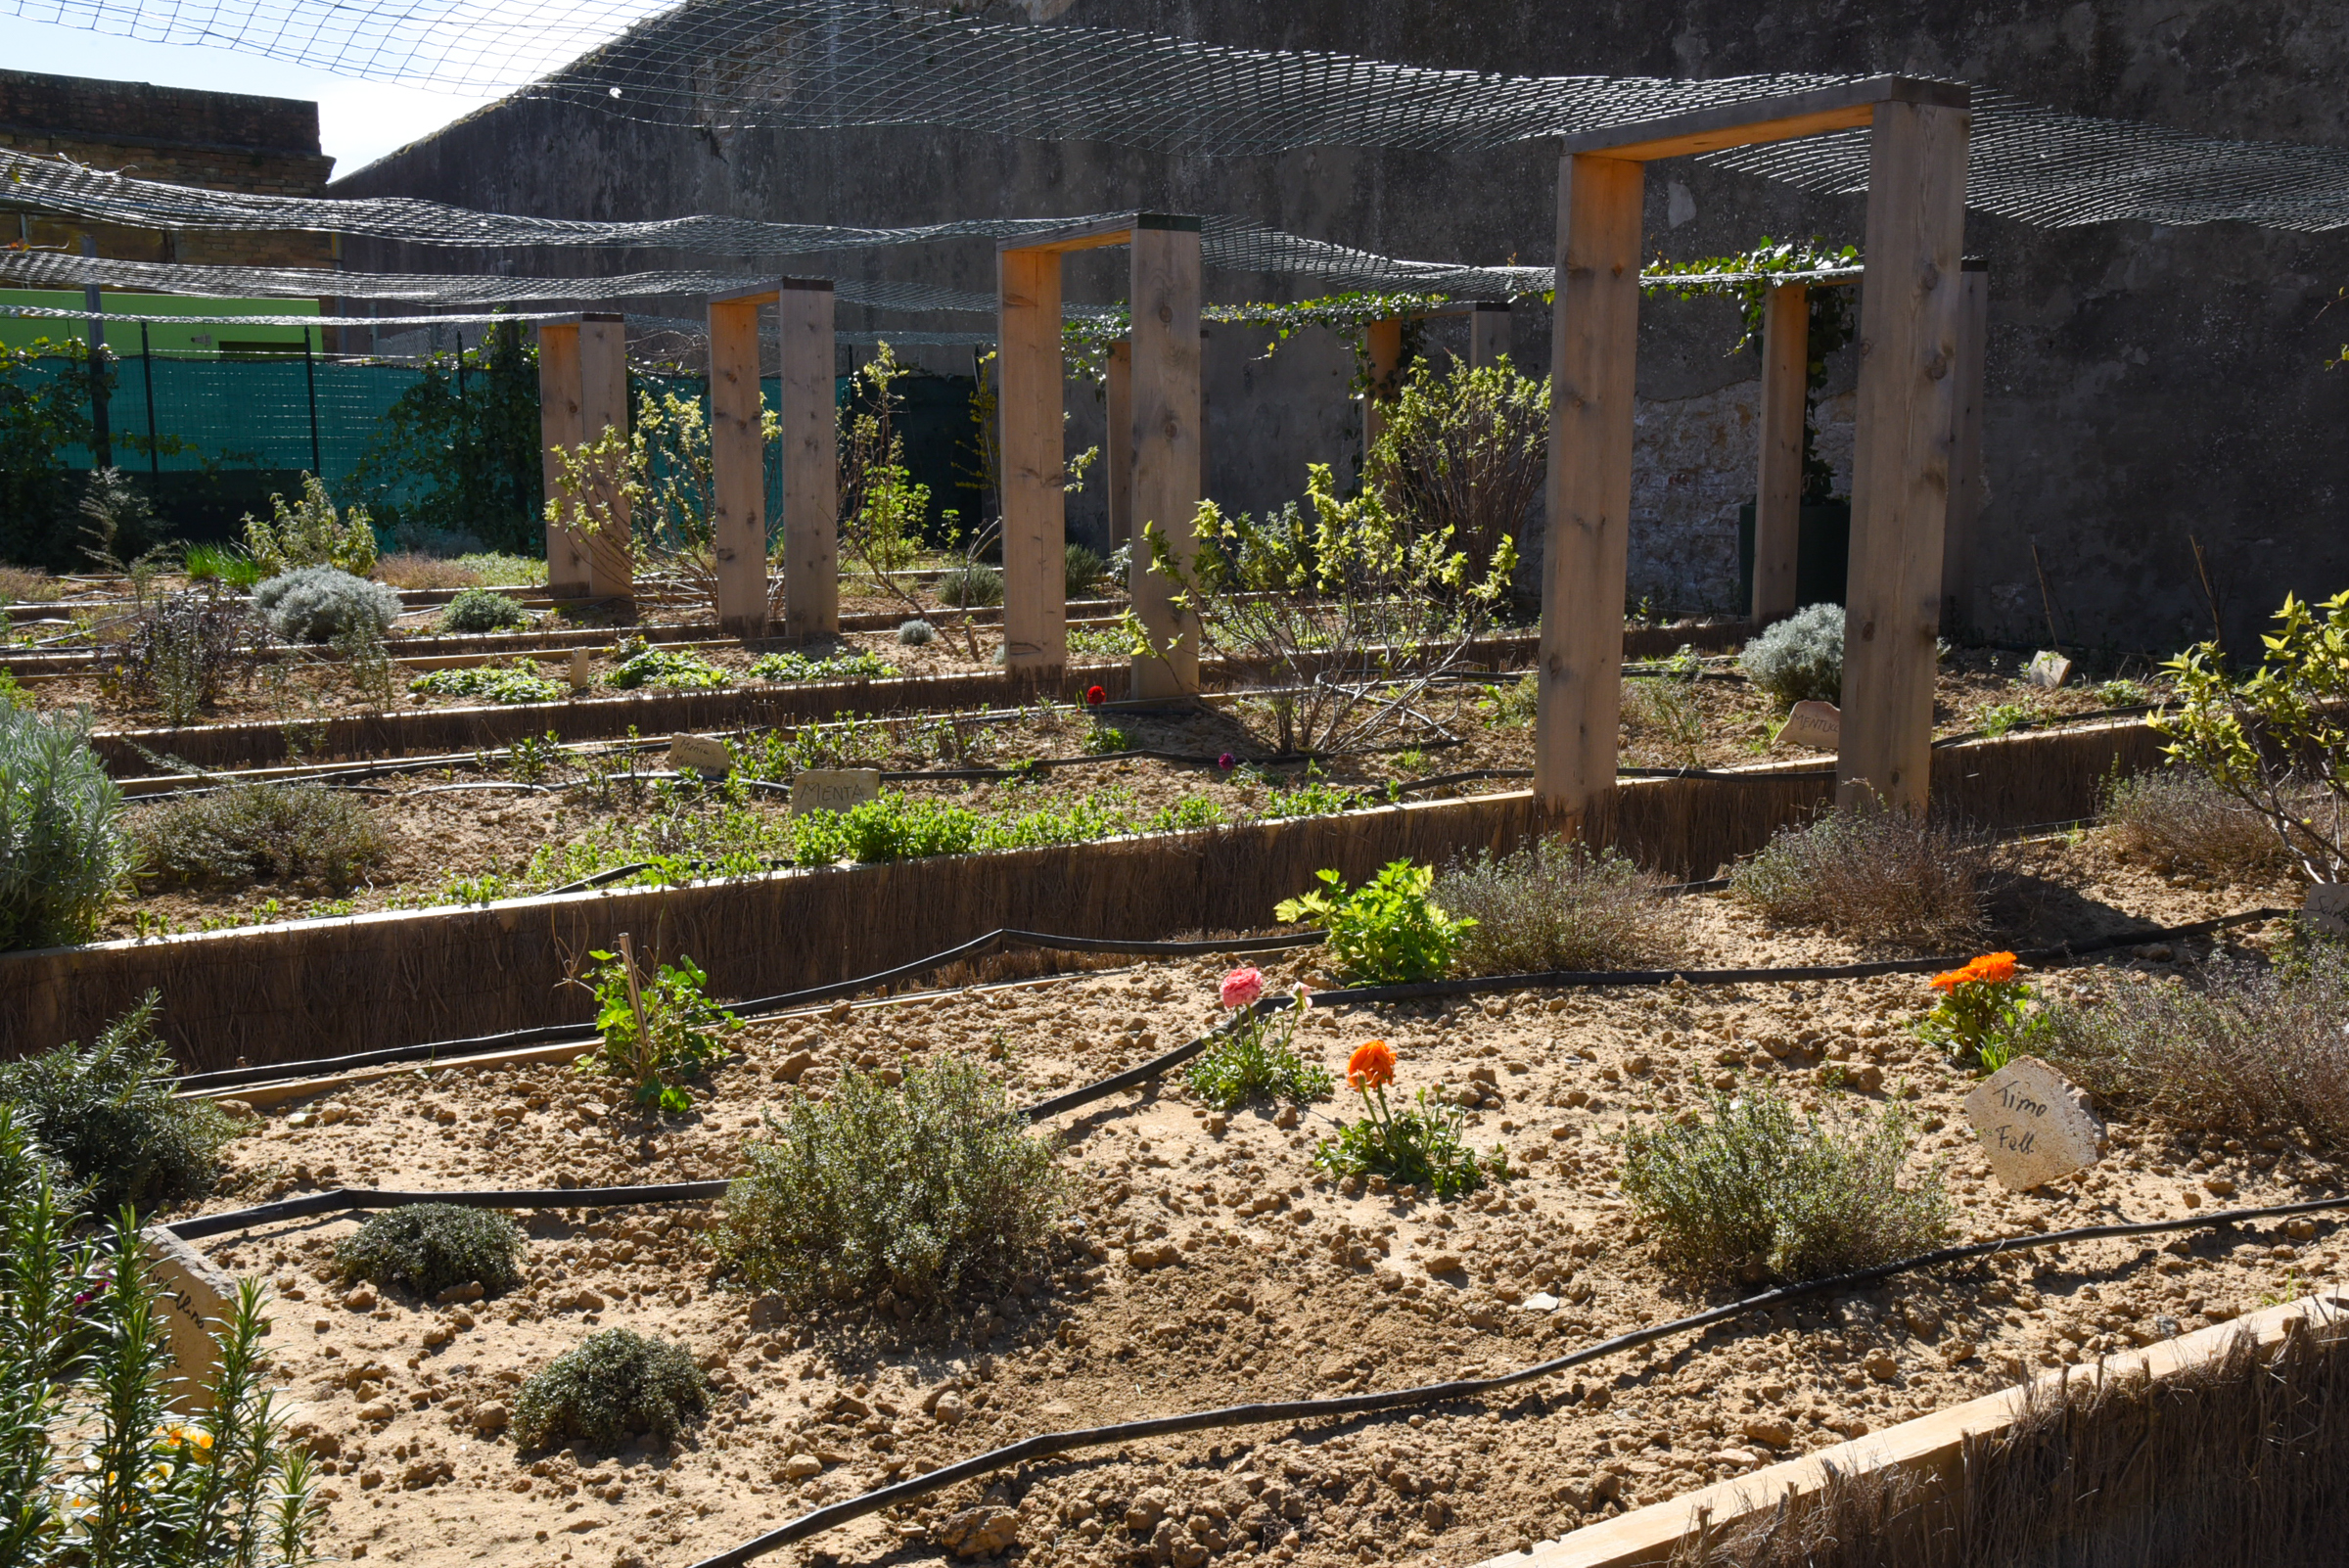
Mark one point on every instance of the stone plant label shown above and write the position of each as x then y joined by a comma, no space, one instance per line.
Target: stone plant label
2326,907
833,789
2047,669
1814,724
698,754
2034,1127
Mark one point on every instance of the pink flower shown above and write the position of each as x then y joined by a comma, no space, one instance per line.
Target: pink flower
1227,761
1241,987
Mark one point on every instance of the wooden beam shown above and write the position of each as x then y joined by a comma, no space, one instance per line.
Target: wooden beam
737,467
1029,375
1488,334
1595,346
1382,343
559,430
1847,105
1779,486
811,451
1116,441
1099,235
1908,313
1962,542
603,406
1165,288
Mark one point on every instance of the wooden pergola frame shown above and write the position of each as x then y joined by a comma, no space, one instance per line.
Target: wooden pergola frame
1154,395
1910,318
810,439
583,391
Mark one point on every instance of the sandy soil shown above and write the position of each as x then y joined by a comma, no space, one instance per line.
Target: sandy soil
1209,1264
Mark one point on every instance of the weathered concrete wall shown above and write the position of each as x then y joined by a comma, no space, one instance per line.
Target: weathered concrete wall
2145,385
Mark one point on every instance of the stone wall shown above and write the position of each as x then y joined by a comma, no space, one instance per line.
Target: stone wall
2147,387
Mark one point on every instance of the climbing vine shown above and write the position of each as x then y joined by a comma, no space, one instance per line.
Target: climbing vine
1085,342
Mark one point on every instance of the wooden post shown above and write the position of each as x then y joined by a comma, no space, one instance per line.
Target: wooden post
604,405
1595,346
1028,378
1382,343
810,443
1164,290
1908,315
1117,443
738,462
1778,486
1488,334
1959,612
559,430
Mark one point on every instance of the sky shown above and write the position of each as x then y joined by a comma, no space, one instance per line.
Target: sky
358,121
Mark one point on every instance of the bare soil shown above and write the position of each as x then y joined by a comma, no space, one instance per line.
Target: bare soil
1209,1263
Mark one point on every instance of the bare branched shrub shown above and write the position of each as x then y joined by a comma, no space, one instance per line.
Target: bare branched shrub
2241,1048
2180,820
1878,875
182,651
413,568
1558,905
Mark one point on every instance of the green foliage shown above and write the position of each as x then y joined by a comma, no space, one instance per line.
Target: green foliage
477,610
120,525
433,1247
916,633
881,509
1514,704
309,534
224,564
111,1116
891,826
241,834
1250,1062
518,682
1558,904
1190,813
2277,740
1877,875
1082,569
1798,659
63,851
656,1032
501,571
861,664
908,1194
1463,453
1388,931
966,586
44,408
1086,340
1315,797
1985,1018
2124,694
320,603
2178,819
615,1384
1107,740
96,1468
459,451
1753,1187
2001,718
180,651
1423,1146
642,665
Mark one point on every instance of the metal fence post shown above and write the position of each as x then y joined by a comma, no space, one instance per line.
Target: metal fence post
309,376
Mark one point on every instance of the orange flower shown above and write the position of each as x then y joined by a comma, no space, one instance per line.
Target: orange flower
1372,1066
1989,966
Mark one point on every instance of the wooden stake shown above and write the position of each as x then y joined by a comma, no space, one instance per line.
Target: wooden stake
1778,486
1594,345
737,467
1029,375
559,428
1165,288
1961,541
1488,334
1382,343
1117,440
604,405
627,964
1901,459
810,443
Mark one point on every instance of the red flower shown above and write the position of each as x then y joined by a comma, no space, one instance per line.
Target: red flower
1241,986
1094,696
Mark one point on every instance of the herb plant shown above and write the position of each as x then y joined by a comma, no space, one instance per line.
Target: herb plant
614,1385
641,665
861,664
433,1247
1388,931
309,534
111,1118
63,851
518,682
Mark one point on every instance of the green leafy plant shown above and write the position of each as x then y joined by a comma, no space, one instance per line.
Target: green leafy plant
1423,1145
180,652
1315,797
2124,694
2001,719
1388,931
96,1465
1190,813
1515,704
1984,1016
1798,659
111,1116
63,850
45,402
612,1385
1463,452
966,586
310,534
1751,1187
903,1195
2277,740
1107,740
1253,1057
458,452
433,1247
224,564
656,1032
477,610
861,664
916,633
241,834
1558,904
642,665
518,682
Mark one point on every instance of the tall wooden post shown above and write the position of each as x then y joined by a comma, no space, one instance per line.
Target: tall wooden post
1029,374
1165,288
559,430
811,451
603,406
1779,486
1488,334
1593,347
738,461
1908,316
1963,540
1382,346
1117,443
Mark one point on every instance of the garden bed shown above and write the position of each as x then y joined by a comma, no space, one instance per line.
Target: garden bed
1207,1262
